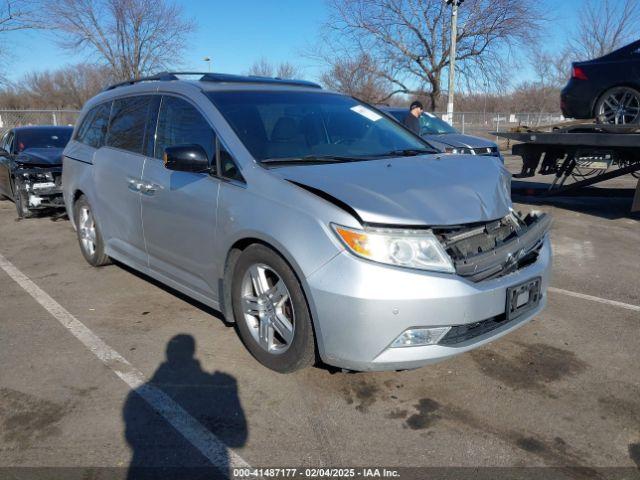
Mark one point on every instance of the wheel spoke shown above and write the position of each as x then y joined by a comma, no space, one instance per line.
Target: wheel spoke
284,327
83,217
251,306
278,294
259,279
623,99
265,334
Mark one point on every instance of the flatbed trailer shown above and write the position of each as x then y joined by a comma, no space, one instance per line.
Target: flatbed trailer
588,153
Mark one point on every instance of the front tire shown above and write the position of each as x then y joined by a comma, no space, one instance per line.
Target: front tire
22,205
89,236
271,312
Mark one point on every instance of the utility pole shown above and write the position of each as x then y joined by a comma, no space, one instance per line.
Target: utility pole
208,61
452,56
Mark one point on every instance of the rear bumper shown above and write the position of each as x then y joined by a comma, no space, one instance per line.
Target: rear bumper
577,100
362,307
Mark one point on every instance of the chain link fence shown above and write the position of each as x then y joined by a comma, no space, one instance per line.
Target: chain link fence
483,124
21,118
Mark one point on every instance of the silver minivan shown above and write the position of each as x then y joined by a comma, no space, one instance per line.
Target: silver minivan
324,230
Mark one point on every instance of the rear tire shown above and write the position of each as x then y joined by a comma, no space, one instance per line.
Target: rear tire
618,106
89,236
271,312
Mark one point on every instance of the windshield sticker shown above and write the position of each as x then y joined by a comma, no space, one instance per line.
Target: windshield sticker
365,112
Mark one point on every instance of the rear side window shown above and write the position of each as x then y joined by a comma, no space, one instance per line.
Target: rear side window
93,129
179,123
128,122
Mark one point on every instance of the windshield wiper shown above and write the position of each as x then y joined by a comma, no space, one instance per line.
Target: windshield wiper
310,159
407,152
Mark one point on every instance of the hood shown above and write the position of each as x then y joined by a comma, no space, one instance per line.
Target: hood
459,140
427,190
49,157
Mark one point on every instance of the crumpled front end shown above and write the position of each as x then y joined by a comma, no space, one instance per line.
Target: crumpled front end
372,316
39,187
493,249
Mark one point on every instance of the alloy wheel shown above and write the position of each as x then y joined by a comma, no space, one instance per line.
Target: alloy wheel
87,230
620,106
267,308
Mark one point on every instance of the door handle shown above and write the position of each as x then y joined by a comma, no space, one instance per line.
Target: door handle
149,188
134,185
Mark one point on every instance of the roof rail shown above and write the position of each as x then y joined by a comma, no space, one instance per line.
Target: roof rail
229,78
217,77
162,76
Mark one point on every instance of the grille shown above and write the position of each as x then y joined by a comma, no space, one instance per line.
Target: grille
493,249
462,333
490,151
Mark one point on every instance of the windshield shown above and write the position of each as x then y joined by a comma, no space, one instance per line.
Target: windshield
432,125
308,126
43,138
429,123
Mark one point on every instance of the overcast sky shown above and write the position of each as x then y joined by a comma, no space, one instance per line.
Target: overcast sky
234,34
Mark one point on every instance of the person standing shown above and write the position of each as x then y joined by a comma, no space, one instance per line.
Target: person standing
412,120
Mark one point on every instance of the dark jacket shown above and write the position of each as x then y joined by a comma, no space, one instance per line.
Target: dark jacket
412,123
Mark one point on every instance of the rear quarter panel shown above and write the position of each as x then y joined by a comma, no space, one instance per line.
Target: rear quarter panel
612,73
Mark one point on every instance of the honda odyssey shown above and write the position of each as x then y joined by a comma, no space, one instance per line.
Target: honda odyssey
324,230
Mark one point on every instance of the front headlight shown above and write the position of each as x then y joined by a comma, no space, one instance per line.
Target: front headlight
459,151
403,248
38,176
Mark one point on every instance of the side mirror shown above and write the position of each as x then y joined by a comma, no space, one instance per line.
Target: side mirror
186,158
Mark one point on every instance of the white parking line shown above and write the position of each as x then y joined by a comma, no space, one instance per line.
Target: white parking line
206,442
583,296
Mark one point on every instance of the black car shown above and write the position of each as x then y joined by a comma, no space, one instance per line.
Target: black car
31,167
444,137
607,88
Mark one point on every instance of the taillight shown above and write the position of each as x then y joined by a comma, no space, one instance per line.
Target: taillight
578,73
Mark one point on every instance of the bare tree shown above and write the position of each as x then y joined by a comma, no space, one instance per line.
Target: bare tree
359,78
409,39
132,37
288,70
605,25
17,15
264,68
67,88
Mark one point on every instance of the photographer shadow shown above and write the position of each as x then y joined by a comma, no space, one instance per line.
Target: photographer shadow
161,452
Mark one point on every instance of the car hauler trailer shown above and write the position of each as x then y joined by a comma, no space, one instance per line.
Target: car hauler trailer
586,153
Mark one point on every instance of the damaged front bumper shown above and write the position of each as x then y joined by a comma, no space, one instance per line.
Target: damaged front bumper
494,249
39,187
362,308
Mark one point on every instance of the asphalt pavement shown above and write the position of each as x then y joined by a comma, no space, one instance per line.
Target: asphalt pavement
563,391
